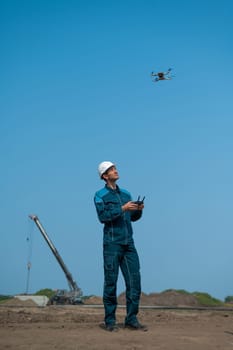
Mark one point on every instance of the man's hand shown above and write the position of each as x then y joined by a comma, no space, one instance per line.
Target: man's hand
131,206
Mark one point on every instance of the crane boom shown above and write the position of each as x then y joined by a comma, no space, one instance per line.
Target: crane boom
72,284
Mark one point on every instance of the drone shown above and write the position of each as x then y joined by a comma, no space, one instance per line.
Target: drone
161,75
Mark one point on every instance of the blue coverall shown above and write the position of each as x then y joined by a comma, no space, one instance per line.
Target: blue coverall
119,252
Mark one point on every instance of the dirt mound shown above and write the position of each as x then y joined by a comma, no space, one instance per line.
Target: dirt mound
93,300
18,302
167,298
172,298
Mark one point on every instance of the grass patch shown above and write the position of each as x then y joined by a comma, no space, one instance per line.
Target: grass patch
4,298
181,291
206,299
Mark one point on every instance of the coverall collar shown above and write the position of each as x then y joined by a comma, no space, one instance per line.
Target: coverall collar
117,189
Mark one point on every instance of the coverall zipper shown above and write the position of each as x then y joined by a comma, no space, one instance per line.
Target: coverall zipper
126,228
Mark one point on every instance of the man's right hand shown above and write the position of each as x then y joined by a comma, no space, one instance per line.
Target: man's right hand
131,206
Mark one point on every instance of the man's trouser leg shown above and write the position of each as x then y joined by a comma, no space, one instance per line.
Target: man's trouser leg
111,271
130,268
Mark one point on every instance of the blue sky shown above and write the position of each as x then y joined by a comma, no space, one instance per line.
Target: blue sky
76,90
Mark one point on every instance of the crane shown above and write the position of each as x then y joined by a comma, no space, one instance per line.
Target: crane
74,295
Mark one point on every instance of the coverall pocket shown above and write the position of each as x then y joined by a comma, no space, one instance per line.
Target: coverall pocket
108,262
110,272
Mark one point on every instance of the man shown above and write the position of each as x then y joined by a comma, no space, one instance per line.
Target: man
116,210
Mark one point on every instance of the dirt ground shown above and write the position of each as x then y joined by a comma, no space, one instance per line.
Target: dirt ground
28,327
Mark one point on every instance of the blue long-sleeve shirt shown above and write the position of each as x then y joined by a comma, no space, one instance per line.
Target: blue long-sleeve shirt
117,223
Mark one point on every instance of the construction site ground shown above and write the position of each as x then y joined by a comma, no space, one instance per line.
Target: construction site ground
25,326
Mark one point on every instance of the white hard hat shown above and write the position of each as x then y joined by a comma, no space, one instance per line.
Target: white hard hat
103,167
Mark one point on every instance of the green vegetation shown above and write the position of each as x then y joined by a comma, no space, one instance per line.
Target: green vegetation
50,293
47,292
207,300
229,299
4,298
181,291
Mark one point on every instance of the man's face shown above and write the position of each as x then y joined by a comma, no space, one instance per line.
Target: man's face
111,174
